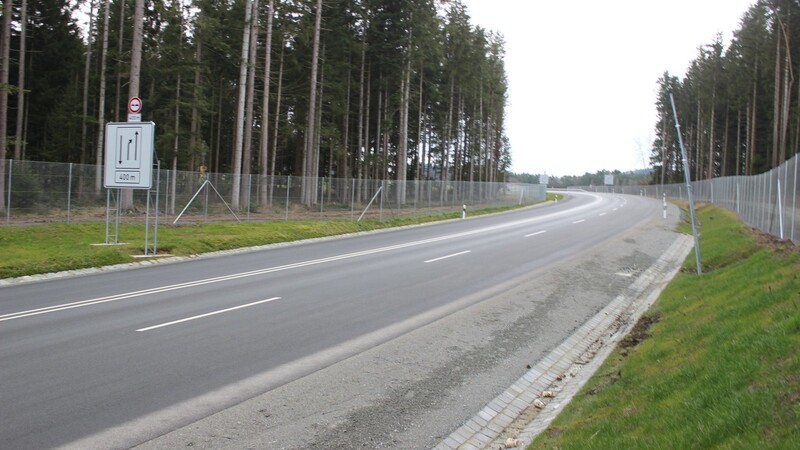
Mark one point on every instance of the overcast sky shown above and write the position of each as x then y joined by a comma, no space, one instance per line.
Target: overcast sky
582,74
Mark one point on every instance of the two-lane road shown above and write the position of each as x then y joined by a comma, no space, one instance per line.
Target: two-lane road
145,351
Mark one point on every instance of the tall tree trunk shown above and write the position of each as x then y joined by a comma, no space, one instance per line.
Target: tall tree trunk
419,159
788,80
318,132
218,142
309,156
776,117
724,152
663,149
747,142
448,139
21,79
264,144
133,85
698,158
753,129
101,113
176,144
5,52
739,170
344,175
240,113
367,144
388,127
402,146
277,118
360,159
247,145
711,137
378,130
121,32
194,127
86,73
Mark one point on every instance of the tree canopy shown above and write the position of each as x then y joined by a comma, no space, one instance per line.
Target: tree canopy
738,106
404,89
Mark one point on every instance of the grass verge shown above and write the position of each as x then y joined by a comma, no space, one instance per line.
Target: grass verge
714,364
29,250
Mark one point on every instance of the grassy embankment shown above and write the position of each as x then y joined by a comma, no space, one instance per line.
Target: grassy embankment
715,363
35,249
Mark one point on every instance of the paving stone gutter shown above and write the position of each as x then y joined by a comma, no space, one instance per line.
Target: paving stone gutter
515,417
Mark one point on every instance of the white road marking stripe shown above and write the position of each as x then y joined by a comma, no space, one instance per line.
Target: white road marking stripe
579,221
534,234
208,314
448,256
602,214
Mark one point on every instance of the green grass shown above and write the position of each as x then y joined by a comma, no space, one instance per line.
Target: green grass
721,365
36,249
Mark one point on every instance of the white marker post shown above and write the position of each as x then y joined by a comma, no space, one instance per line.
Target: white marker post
463,211
665,204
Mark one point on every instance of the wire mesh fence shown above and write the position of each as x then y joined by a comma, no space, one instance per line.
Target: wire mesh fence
35,192
768,201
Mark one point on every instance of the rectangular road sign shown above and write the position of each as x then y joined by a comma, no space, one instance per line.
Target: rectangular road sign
129,155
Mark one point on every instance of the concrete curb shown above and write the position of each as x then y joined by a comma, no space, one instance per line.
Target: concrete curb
566,369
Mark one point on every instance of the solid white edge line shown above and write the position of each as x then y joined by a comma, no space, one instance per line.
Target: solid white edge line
208,314
534,234
448,256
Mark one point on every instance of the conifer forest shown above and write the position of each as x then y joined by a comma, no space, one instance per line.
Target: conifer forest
352,89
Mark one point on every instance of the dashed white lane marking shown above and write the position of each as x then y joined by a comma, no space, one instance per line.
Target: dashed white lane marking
448,256
537,233
213,313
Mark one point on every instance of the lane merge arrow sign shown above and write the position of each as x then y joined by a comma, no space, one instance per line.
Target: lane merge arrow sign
129,155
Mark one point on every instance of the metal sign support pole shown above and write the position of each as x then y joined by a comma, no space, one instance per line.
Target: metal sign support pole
688,187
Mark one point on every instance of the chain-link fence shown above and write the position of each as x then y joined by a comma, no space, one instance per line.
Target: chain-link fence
58,192
767,201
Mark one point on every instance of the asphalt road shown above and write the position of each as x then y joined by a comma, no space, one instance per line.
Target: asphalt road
148,350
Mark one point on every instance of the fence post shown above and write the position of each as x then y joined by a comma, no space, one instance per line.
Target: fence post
69,193
794,195
322,199
8,203
380,216
353,198
780,209
288,188
249,193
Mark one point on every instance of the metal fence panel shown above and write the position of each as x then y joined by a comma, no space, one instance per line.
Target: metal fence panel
61,192
767,201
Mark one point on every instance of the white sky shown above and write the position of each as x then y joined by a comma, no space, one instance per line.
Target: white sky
582,74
